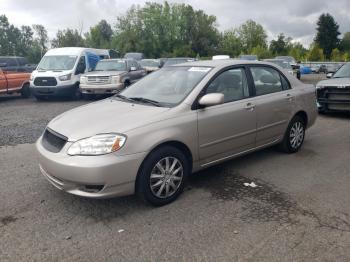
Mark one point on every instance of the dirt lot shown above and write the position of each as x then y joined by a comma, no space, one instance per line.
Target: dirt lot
300,210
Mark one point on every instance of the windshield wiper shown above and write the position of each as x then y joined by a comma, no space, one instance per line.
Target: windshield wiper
145,100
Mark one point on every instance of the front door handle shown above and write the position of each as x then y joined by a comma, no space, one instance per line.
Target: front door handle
249,106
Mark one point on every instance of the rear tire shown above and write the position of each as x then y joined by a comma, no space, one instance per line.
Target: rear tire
162,176
25,92
294,136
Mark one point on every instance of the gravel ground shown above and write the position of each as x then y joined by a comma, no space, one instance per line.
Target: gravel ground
300,210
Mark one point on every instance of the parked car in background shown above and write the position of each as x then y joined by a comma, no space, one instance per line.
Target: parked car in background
150,137
178,60
220,57
249,57
322,69
135,56
14,82
110,76
333,95
283,64
150,65
332,68
15,64
294,64
58,73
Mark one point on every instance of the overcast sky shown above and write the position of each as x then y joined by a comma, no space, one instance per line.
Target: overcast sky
295,18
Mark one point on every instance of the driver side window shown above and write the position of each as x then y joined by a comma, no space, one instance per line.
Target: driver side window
232,84
81,66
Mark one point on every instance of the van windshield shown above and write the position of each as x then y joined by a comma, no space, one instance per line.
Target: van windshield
57,62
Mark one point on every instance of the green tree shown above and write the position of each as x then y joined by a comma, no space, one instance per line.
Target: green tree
281,45
336,56
327,34
67,37
345,42
41,37
230,44
298,51
165,30
261,51
100,35
316,53
252,35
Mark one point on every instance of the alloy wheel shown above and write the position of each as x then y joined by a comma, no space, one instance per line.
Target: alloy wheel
296,135
166,177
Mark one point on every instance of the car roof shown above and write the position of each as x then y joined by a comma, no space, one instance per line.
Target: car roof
222,63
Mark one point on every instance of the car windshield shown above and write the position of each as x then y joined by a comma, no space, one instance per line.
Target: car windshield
58,62
151,63
167,87
344,71
111,65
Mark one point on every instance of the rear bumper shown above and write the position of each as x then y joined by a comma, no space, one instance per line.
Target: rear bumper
67,90
101,89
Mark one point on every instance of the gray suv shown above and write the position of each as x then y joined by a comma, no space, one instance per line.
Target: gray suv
110,76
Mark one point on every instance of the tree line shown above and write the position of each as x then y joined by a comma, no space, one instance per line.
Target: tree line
168,30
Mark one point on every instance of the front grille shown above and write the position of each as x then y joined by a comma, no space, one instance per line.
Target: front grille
99,80
334,98
45,81
53,141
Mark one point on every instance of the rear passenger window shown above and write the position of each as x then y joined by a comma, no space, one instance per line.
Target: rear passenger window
267,80
285,83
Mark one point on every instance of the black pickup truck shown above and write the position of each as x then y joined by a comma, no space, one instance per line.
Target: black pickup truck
15,64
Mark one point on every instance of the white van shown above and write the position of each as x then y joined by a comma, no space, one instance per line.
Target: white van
58,73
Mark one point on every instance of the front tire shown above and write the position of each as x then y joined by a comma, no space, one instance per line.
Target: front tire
162,176
294,136
25,92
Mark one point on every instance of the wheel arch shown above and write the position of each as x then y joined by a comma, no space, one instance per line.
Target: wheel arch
304,116
173,143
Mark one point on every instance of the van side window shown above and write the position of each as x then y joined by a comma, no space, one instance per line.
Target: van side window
232,83
81,66
266,79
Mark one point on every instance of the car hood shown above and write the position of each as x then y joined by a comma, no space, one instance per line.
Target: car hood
50,73
335,82
106,116
105,73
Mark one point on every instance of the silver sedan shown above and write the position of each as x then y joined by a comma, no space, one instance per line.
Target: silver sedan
150,137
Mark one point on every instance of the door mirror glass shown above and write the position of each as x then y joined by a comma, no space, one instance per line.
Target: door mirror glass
133,68
211,99
329,75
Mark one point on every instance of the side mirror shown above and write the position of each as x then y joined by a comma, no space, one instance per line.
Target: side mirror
3,64
212,99
329,75
133,68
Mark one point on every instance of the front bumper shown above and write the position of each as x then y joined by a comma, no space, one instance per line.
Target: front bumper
101,89
333,99
90,176
66,90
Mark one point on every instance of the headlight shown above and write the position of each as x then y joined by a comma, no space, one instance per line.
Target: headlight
83,80
319,86
65,77
115,79
97,145
31,77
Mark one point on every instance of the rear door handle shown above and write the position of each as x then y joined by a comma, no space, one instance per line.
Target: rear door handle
289,97
249,106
